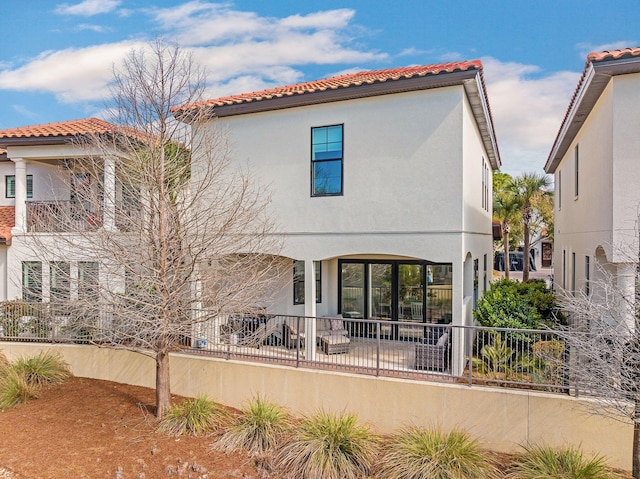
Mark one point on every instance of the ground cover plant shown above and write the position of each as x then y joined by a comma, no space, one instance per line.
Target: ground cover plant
328,446
194,416
429,453
22,380
258,429
565,463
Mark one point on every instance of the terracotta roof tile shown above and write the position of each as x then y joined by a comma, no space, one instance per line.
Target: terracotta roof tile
343,81
613,55
59,129
7,221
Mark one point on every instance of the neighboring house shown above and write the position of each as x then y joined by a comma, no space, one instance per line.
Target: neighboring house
381,186
595,161
38,200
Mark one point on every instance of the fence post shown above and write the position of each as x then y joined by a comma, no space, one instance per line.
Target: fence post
298,342
378,348
470,334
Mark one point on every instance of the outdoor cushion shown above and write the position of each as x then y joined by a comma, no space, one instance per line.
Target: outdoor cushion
336,324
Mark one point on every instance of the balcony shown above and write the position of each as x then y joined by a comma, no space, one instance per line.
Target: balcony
73,216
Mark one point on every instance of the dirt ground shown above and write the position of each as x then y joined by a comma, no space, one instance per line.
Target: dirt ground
87,428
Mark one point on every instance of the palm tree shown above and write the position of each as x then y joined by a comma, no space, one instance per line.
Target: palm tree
505,209
525,188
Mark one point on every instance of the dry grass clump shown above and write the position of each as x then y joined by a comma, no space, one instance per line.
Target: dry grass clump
44,368
22,379
258,429
428,453
328,446
194,417
558,463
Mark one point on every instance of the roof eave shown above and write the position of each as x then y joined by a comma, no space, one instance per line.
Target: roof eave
595,79
442,79
480,106
34,141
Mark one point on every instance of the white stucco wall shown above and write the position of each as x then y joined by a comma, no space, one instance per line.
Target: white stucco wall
584,223
606,210
412,182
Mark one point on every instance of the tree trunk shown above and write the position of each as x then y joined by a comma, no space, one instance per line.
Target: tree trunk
163,389
507,260
636,442
525,253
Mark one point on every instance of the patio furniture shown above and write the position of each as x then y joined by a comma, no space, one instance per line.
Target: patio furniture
433,352
335,344
416,310
325,326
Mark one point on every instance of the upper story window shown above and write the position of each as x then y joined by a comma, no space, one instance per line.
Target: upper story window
326,160
576,161
10,186
559,190
485,185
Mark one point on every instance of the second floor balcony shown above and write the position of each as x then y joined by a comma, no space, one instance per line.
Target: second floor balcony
73,216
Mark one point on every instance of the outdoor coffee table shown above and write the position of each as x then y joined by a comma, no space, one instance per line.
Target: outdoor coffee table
335,344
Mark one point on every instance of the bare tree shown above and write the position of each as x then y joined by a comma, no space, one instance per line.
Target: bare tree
604,346
179,237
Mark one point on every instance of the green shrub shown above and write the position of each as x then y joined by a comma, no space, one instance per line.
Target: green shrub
328,446
502,307
15,388
512,304
427,453
45,368
194,416
258,429
566,463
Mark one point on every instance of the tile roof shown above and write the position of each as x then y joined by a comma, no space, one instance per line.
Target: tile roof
7,221
613,55
59,129
595,61
349,80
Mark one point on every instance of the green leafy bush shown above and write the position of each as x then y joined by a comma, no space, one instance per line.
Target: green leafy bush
328,446
502,307
566,463
428,453
194,416
512,304
258,429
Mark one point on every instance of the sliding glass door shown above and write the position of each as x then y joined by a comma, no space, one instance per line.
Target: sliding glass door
407,291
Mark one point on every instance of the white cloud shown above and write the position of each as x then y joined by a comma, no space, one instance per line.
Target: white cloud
241,51
93,28
88,8
73,75
22,110
527,107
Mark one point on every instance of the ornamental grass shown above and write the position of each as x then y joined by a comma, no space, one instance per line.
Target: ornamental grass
328,446
428,453
558,463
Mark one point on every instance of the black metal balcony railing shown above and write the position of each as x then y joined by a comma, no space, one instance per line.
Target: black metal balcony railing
533,359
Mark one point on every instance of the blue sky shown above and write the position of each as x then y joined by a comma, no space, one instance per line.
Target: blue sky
56,57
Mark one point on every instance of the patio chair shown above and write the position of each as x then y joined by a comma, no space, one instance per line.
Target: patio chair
416,310
433,352
258,337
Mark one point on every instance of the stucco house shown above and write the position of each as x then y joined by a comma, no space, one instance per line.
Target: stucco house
381,185
42,182
595,161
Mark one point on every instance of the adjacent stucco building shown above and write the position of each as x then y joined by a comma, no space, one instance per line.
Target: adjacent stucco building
595,161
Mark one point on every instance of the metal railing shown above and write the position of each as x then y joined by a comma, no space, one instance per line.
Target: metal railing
69,216
533,359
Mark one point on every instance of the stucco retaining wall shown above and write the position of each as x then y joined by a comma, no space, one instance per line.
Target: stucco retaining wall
503,419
